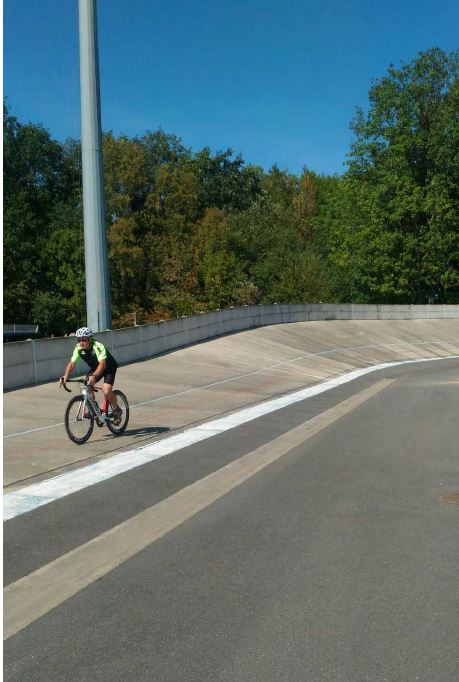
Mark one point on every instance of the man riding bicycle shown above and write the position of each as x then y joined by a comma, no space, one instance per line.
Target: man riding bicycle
102,364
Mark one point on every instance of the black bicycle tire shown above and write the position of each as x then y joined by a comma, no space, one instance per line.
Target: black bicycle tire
90,419
118,430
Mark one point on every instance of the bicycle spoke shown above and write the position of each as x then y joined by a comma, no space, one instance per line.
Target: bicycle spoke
120,427
78,424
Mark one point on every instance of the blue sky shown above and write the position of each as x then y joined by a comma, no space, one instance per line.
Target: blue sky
275,80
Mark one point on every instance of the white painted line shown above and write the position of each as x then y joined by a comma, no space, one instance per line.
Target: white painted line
40,428
35,594
39,494
250,374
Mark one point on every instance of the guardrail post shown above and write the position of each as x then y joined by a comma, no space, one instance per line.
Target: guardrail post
34,362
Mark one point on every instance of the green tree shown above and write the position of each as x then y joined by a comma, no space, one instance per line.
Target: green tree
226,183
171,209
399,240
161,148
39,185
275,240
217,267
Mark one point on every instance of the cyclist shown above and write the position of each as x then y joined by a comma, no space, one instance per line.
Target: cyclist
102,364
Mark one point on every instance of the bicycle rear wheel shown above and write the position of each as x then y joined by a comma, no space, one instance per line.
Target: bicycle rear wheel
118,429
78,426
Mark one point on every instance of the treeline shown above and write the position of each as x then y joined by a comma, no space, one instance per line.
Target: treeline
196,231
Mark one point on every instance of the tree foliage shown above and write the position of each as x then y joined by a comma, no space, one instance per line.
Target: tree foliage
42,220
194,231
400,238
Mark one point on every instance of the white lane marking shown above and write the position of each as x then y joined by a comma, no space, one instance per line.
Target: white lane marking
35,594
38,494
40,428
250,374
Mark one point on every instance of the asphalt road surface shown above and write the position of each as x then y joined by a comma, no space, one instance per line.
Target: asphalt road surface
317,543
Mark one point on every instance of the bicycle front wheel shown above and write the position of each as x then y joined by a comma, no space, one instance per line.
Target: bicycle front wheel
118,429
78,426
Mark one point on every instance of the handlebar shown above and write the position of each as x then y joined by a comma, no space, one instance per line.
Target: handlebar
76,381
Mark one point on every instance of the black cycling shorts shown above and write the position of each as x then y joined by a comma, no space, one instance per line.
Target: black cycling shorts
109,376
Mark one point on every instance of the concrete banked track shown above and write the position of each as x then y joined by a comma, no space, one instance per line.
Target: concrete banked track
195,384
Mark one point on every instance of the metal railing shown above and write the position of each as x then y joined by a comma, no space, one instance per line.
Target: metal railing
10,331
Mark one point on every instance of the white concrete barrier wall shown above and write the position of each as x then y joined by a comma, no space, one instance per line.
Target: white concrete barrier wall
18,364
36,361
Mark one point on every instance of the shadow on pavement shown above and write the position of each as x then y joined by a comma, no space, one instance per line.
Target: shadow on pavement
146,430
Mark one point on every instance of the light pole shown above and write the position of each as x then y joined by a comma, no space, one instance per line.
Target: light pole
95,237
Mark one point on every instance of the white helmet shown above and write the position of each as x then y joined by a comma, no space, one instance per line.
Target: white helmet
84,333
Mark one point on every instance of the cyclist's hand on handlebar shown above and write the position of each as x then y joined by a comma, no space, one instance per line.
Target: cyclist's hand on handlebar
62,384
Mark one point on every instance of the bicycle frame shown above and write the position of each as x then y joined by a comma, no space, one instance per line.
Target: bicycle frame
90,404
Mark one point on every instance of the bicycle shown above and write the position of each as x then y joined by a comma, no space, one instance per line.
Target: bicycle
82,412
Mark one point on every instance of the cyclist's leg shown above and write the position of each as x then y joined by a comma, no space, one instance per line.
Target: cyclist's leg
92,395
107,388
